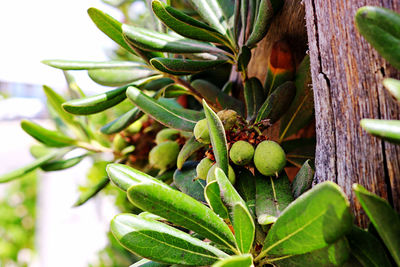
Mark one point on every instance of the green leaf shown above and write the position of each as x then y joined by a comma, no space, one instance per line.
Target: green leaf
124,177
245,184
148,263
393,86
182,210
218,138
367,249
385,220
303,180
276,105
244,58
244,227
62,164
122,122
31,166
254,97
118,77
298,151
213,198
266,10
316,219
155,41
159,111
381,28
185,180
273,196
110,26
160,242
244,12
385,129
212,94
190,147
179,66
55,100
301,111
45,136
245,260
97,103
335,254
91,192
90,65
186,25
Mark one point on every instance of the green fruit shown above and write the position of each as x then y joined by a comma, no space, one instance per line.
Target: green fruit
241,153
135,127
211,174
269,158
203,167
201,132
167,135
228,118
164,155
119,143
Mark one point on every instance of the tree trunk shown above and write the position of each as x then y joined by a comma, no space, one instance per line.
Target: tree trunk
347,78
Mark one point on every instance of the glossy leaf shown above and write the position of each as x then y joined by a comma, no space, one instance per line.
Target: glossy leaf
385,220
186,25
335,254
30,167
178,66
281,67
276,105
118,77
155,41
367,249
185,180
160,242
124,177
55,101
245,260
315,220
148,263
393,86
386,129
301,111
62,164
273,196
298,151
122,122
191,146
244,227
244,58
182,210
213,198
303,180
218,138
90,65
45,136
160,112
381,28
266,10
97,103
91,192
254,97
245,184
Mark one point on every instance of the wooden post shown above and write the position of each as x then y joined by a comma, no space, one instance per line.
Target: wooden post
347,78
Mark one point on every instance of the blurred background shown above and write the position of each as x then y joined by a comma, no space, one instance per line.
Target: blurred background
38,224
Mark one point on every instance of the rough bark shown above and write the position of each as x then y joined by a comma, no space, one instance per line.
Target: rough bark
347,80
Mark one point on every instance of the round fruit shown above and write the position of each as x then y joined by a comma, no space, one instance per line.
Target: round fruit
134,127
119,143
201,132
228,118
211,174
164,155
203,167
241,153
269,158
166,135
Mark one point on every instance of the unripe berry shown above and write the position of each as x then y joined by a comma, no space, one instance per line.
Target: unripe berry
119,143
241,153
166,135
211,174
269,158
201,132
203,167
228,118
164,155
135,127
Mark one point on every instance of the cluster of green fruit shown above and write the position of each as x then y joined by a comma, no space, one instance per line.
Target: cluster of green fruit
268,156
